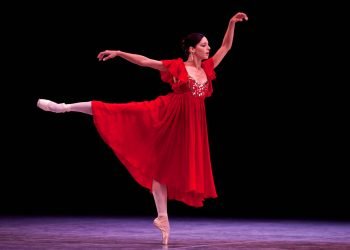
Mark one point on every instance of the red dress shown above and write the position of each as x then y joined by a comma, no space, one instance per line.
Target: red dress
164,139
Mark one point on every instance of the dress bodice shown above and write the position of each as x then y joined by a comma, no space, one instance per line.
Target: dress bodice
181,82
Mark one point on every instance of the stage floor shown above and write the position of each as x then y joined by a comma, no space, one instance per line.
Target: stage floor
93,232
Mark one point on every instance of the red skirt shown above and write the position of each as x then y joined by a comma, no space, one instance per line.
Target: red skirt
164,140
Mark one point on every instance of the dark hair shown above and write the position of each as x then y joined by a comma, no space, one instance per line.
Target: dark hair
191,40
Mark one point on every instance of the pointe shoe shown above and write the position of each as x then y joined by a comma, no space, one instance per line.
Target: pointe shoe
51,106
162,223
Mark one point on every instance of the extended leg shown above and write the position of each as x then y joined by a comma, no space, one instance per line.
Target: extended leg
82,107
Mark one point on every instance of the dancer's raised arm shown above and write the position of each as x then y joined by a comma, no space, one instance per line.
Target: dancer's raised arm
133,58
228,38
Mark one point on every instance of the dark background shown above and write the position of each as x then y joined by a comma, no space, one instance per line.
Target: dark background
277,140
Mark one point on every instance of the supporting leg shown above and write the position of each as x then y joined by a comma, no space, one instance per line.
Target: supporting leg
161,222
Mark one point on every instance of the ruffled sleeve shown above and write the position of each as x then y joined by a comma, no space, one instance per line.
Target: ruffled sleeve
208,66
176,73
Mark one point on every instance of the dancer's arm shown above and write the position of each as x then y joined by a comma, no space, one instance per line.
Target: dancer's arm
228,38
133,58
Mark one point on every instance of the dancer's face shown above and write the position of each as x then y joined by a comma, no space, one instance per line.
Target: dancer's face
202,49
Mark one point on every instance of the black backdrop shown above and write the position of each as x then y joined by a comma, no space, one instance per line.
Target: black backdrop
275,142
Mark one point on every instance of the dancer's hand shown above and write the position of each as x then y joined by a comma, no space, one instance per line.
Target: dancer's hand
107,54
239,17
